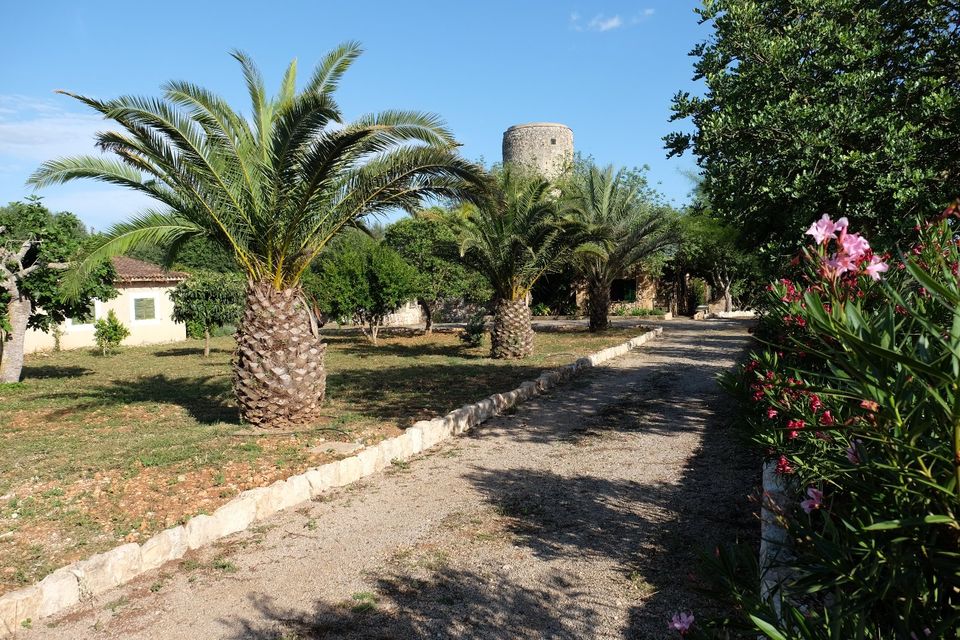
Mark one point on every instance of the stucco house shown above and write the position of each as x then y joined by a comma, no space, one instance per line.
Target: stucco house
143,305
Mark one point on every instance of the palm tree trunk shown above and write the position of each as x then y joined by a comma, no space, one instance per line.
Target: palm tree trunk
512,335
206,342
279,378
11,364
598,302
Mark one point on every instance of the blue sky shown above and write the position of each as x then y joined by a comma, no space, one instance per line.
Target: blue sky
607,69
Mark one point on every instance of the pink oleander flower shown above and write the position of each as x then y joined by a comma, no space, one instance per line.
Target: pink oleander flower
771,413
814,501
681,622
841,263
783,466
827,419
840,226
854,245
815,403
875,268
822,230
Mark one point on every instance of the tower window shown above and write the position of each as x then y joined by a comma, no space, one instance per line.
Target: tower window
553,141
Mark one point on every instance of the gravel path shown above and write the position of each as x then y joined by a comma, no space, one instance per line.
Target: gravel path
580,515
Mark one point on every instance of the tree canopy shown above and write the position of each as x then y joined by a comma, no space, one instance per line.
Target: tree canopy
363,280
824,106
207,300
430,247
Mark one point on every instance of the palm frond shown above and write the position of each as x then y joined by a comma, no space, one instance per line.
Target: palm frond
330,70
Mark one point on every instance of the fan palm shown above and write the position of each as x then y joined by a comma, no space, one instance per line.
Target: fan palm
513,240
273,189
625,226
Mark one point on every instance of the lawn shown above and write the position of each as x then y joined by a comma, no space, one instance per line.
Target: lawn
100,450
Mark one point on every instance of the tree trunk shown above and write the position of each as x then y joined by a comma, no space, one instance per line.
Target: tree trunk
512,335
279,378
206,342
598,302
427,314
727,299
11,366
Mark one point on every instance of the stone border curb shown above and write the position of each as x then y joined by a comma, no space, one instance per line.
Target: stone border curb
82,580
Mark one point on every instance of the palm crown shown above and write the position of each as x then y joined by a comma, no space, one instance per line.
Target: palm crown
624,226
517,236
275,188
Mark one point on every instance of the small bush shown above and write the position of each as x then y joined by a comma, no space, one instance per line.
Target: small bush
472,335
109,332
541,309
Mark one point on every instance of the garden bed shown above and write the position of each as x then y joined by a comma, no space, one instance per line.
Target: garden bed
97,450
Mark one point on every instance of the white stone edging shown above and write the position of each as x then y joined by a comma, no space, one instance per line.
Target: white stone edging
82,580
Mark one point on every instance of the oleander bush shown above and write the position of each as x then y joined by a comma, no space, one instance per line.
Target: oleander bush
855,394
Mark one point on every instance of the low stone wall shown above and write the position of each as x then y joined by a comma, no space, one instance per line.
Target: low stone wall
82,580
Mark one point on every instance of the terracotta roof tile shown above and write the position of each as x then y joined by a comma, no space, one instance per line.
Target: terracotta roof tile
132,270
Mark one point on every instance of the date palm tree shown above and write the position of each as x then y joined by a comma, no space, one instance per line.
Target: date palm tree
513,239
620,215
274,188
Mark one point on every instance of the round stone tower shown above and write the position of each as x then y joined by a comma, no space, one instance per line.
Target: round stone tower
546,147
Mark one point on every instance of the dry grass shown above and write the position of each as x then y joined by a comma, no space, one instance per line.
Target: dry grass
94,450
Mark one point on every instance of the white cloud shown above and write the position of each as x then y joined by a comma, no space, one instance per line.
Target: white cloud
34,130
603,23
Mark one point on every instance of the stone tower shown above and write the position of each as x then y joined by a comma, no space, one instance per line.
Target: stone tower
544,146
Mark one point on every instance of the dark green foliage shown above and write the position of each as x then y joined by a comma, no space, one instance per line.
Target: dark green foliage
59,238
207,300
109,332
198,253
430,247
363,280
825,106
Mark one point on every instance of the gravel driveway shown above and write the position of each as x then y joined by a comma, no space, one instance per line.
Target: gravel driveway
580,515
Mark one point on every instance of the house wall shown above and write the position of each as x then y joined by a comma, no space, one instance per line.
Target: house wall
161,329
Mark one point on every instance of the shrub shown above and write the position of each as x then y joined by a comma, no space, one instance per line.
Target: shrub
364,280
472,335
109,332
855,396
540,309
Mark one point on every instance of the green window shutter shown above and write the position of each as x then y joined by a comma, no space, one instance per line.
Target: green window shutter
144,309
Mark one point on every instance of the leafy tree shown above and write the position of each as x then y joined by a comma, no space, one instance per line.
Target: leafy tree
513,240
272,190
625,224
35,247
365,280
207,300
109,332
430,247
710,249
824,106
198,253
